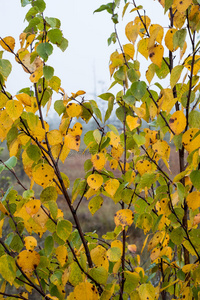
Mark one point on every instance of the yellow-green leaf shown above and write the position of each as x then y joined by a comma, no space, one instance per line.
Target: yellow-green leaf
111,186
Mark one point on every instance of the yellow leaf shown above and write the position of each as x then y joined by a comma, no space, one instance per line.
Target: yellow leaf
28,260
123,217
129,50
156,239
64,153
77,129
143,47
24,99
182,6
41,218
118,244
62,254
196,219
95,181
22,38
32,206
73,110
14,109
133,122
14,147
167,100
99,257
145,20
189,267
177,122
132,32
30,66
3,209
111,186
132,248
196,67
114,139
169,39
113,164
98,161
43,174
193,200
190,140
84,291
150,72
54,137
143,166
117,152
155,253
30,242
72,142
175,75
1,227
29,40
157,31
156,54
8,43
162,149
37,74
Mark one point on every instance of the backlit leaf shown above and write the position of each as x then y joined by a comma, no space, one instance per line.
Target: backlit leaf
54,137
114,254
169,39
191,140
175,75
85,291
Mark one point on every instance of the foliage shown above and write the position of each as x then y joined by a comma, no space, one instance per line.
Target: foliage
47,254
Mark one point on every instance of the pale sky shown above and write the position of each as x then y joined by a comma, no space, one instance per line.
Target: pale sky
84,65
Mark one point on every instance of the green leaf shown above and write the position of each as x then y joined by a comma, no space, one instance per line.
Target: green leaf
48,72
175,75
96,109
25,2
147,291
88,165
16,244
177,235
32,24
179,38
59,107
5,67
31,13
97,136
11,162
164,70
63,45
8,268
139,139
132,75
194,119
138,89
48,194
63,229
181,191
99,274
44,50
33,152
109,110
131,281
53,208
48,245
53,22
55,83
195,178
41,5
168,4
114,254
55,36
95,204
107,96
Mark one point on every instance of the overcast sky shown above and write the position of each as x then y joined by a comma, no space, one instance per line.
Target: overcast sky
84,65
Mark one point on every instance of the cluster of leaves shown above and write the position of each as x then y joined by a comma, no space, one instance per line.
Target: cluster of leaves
67,262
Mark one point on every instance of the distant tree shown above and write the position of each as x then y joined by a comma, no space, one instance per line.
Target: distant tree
46,253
